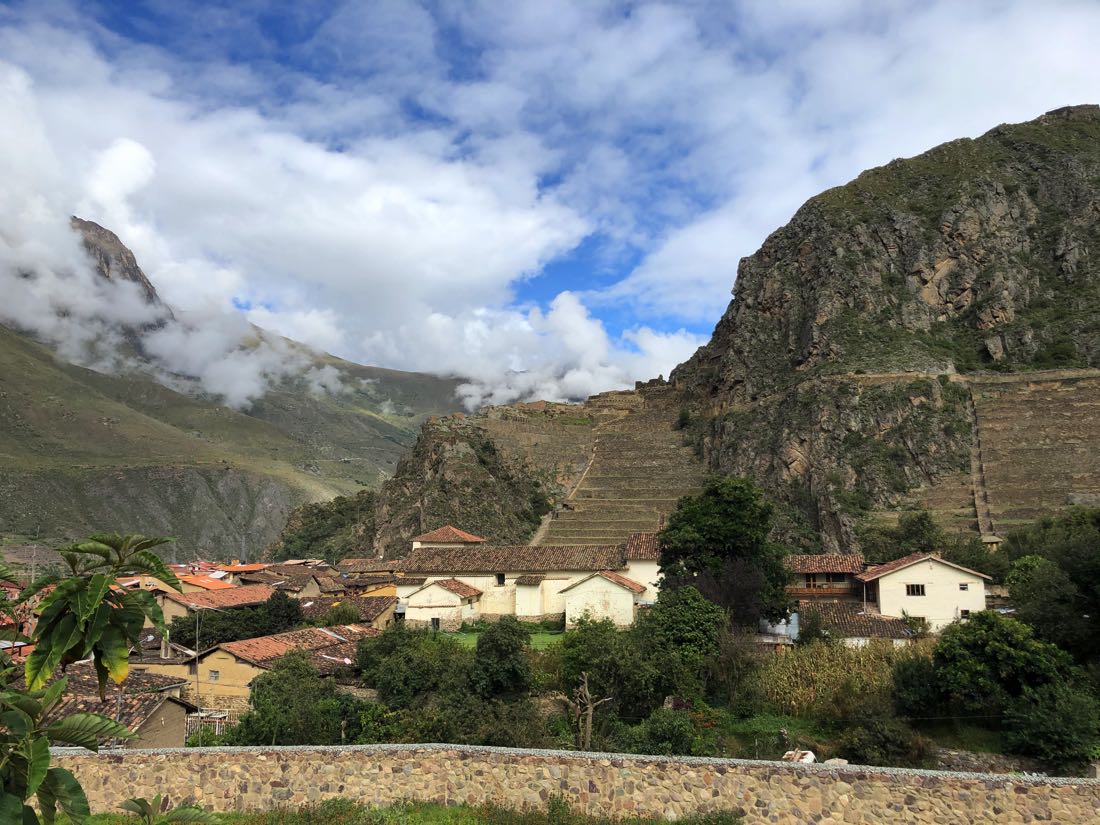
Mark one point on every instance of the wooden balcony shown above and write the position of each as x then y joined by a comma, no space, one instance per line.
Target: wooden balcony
825,591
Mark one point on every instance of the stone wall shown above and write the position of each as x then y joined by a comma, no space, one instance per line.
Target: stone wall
226,779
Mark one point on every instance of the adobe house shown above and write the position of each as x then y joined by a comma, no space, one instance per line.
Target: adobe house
448,536
826,575
221,677
374,611
181,604
603,595
442,604
525,581
924,586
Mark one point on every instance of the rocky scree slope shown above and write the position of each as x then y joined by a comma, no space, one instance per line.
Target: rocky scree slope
85,451
843,373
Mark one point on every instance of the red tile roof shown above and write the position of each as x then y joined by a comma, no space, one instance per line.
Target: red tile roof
826,563
449,535
206,583
369,607
132,710
643,547
517,558
246,596
849,620
529,579
368,565
461,589
263,651
634,587
241,568
880,570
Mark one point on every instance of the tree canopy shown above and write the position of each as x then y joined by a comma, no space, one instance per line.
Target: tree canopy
717,541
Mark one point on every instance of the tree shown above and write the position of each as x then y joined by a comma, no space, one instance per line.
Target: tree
342,613
616,664
291,705
990,660
679,635
278,614
79,615
717,541
1057,723
407,665
501,666
1047,599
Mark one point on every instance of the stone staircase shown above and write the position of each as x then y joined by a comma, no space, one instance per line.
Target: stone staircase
638,471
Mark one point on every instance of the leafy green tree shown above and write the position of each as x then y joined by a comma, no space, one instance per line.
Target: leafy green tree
501,665
277,615
342,613
717,541
292,705
1057,723
79,616
990,660
616,664
1047,599
665,733
407,665
917,691
680,635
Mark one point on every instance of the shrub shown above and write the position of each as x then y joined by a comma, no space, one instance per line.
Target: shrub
501,666
916,690
1056,723
886,742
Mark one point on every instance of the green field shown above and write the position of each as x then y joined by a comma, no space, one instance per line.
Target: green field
540,639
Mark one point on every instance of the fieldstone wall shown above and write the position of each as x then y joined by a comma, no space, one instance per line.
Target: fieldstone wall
228,779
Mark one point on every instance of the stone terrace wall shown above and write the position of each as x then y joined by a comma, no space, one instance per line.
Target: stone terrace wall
226,779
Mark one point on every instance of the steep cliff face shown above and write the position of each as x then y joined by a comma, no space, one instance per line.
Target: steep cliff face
839,375
978,254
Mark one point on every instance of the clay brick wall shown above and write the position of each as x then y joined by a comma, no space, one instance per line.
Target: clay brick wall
227,779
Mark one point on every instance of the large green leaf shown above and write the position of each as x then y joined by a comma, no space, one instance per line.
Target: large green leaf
146,603
93,547
93,630
88,599
37,754
10,634
18,721
37,586
114,653
50,650
11,808
87,730
154,565
61,790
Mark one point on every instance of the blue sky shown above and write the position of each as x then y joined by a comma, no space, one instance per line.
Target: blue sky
547,198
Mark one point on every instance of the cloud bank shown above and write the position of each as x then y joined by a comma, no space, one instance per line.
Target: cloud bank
546,199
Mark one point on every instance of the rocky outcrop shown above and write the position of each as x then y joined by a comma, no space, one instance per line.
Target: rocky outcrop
837,374
113,260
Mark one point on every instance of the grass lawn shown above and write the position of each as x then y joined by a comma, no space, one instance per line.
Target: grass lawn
343,812
540,639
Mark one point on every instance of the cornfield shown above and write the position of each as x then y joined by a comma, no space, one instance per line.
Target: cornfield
829,681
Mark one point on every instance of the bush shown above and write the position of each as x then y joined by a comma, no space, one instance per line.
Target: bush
664,733
1056,723
886,742
501,666
407,664
916,690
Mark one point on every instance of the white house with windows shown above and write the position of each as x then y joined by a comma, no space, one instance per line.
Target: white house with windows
529,582
924,586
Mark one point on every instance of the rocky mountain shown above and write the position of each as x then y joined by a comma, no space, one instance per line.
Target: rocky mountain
924,336
84,451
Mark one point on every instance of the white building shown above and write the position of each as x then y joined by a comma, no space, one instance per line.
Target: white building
924,586
532,583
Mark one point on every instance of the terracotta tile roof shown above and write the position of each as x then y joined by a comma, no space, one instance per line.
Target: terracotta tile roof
529,580
241,568
245,596
369,607
410,580
82,680
517,558
643,547
322,569
849,620
622,581
206,583
329,584
335,659
880,570
825,563
460,589
360,582
449,535
132,710
368,565
263,651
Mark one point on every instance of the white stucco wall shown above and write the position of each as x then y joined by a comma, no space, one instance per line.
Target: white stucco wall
647,573
600,599
529,600
942,601
437,603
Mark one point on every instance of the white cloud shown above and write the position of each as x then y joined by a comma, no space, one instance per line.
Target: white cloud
385,188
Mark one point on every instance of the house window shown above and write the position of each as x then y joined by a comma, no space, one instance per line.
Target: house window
965,614
215,675
835,578
435,623
500,580
914,590
964,586
192,669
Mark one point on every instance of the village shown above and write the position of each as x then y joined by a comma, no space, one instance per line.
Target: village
452,579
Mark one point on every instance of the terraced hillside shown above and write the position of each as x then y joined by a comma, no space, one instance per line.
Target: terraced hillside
1040,442
638,470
